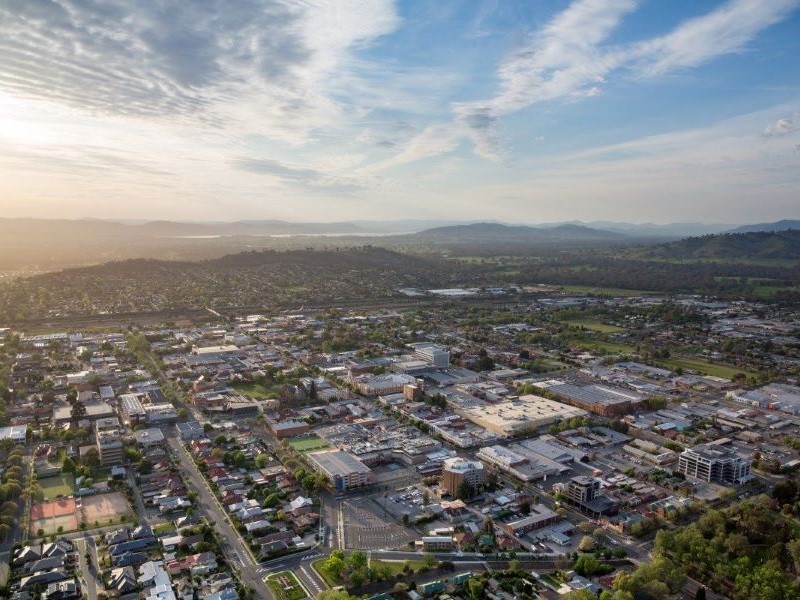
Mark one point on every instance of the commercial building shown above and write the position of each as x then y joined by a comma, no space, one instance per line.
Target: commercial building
520,416
109,448
432,354
583,489
149,437
344,470
287,429
540,516
15,433
190,430
131,409
456,470
715,462
438,543
604,400
516,464
584,493
379,385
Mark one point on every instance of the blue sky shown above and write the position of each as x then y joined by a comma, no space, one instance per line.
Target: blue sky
529,111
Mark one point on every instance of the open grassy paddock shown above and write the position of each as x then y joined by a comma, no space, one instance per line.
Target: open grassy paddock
603,291
257,391
703,367
308,443
604,347
594,325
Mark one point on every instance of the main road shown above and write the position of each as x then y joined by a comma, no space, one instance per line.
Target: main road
237,553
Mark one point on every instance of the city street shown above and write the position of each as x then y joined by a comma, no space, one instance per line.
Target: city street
234,548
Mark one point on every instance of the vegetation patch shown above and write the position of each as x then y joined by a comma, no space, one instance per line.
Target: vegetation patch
286,586
258,391
603,291
595,325
308,443
57,485
703,367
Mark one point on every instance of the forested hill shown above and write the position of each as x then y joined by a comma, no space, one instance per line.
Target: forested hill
764,245
259,278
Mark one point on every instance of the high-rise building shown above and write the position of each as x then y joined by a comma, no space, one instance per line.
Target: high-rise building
715,462
582,489
432,354
109,448
457,470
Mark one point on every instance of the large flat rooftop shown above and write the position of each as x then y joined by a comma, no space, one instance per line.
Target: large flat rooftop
338,462
524,414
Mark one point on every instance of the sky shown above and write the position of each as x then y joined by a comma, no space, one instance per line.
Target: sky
524,111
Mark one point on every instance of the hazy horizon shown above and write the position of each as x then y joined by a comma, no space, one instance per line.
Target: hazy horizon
635,111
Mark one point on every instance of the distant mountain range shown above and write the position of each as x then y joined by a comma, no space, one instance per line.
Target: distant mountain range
776,226
495,233
46,244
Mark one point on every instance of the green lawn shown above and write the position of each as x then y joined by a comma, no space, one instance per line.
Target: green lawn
702,367
603,291
317,564
259,392
397,566
308,443
286,586
768,291
607,347
594,325
58,485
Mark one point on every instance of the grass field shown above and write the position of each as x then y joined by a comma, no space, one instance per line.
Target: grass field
286,586
768,291
594,325
397,566
259,392
58,485
607,347
308,443
601,291
703,367
317,564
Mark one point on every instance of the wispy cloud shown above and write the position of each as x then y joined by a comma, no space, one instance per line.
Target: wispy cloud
296,175
722,31
206,60
570,57
784,125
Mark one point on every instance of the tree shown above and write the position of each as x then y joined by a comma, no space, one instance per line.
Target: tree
475,588
262,460
78,411
465,490
335,595
586,544
68,466
429,560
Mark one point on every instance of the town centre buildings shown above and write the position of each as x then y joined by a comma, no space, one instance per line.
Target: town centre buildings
520,416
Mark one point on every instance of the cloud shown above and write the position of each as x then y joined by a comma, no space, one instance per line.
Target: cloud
570,57
205,60
722,31
305,177
434,140
784,126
